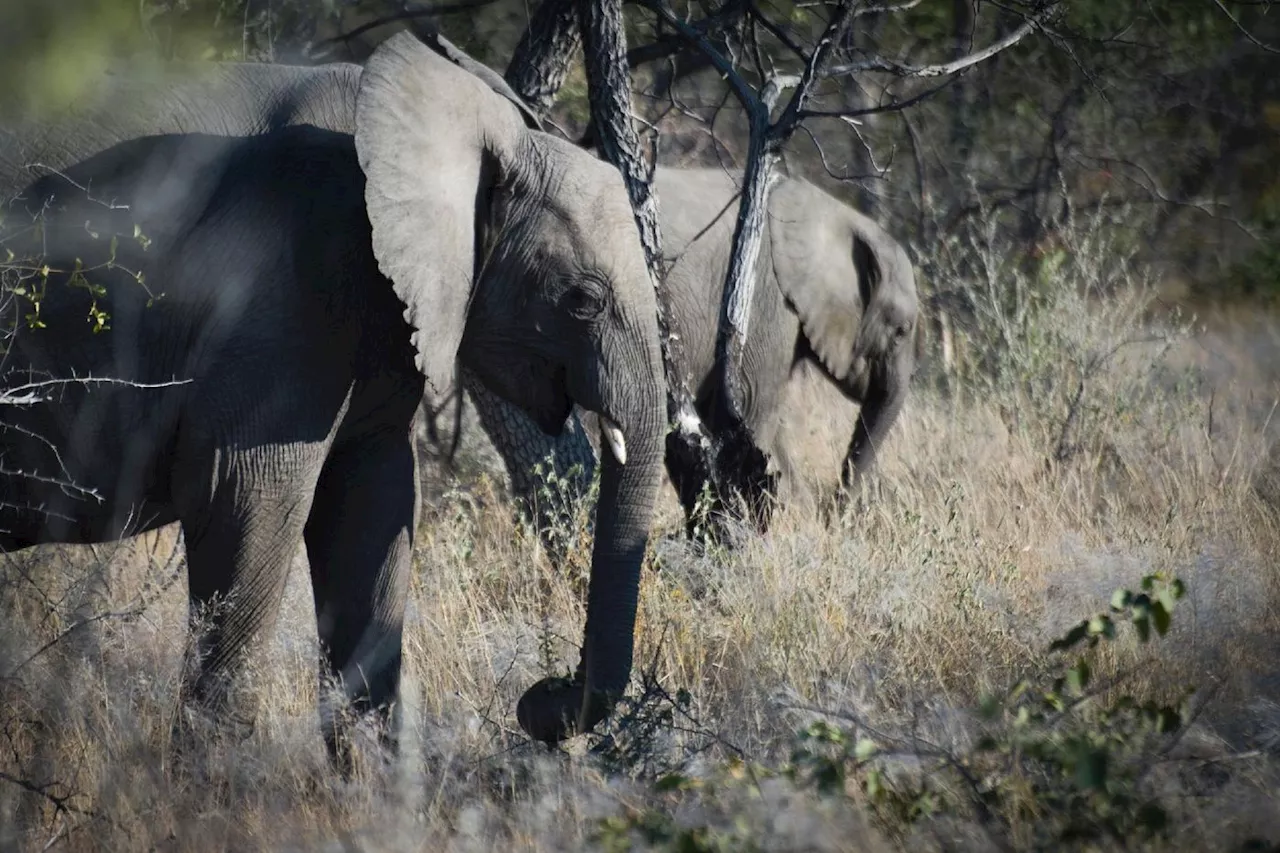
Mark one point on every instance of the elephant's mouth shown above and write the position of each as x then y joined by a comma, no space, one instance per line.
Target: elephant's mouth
557,405
552,418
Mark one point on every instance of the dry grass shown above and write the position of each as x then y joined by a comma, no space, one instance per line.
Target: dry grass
978,547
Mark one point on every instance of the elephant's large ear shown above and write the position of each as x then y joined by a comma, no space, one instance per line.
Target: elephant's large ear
431,139
829,303
437,42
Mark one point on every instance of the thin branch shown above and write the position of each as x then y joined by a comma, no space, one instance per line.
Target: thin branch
893,107
1244,30
408,15
777,32
25,395
886,9
60,804
741,89
945,69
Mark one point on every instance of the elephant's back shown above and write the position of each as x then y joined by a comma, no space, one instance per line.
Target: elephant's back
222,99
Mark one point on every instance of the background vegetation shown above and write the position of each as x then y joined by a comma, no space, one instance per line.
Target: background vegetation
1094,219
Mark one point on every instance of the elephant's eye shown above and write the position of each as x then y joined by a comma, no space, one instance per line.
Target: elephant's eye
582,302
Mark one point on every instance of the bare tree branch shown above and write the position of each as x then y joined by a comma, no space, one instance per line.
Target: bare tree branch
903,69
408,15
1244,30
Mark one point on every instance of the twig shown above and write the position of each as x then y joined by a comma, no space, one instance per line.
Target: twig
61,804
1244,30
408,15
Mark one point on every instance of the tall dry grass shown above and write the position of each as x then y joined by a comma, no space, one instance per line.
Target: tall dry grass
1090,436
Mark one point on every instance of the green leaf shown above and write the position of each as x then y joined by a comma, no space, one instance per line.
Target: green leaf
1168,720
865,749
1091,769
1160,616
1142,624
873,785
673,782
1120,599
1152,817
829,777
1075,635
1078,676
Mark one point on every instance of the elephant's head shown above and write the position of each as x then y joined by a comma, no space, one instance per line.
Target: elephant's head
885,339
518,253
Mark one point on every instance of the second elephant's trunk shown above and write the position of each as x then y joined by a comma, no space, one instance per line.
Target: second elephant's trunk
881,404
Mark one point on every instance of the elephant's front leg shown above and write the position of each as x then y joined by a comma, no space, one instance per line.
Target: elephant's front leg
359,544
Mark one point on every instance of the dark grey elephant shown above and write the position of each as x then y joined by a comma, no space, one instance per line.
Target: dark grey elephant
327,243
836,295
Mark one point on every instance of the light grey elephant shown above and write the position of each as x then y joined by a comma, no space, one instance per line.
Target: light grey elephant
835,296
277,373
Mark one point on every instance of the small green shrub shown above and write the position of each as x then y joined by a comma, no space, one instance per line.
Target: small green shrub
1062,760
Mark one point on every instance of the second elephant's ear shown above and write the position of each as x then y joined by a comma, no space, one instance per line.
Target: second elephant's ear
431,139
829,298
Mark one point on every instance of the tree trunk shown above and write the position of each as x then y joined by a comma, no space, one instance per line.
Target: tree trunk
740,465
609,90
542,58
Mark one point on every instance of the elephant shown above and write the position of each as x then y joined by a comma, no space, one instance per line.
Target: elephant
835,297
319,248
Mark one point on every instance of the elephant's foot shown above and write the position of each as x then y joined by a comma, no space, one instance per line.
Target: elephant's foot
201,727
358,738
553,710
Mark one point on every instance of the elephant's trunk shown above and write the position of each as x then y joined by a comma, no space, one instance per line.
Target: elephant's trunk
554,709
624,512
881,404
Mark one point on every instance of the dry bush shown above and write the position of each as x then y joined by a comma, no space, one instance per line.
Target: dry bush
1092,439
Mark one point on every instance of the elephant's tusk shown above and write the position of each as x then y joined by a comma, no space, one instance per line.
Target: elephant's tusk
612,434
